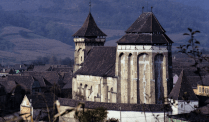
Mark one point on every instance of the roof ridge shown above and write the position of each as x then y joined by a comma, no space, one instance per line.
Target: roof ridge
158,23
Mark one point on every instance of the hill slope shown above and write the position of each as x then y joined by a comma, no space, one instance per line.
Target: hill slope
19,44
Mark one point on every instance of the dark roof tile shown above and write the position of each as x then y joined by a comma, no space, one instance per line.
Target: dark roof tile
42,100
204,81
146,23
50,76
144,39
89,28
182,90
100,62
116,106
42,68
8,85
24,81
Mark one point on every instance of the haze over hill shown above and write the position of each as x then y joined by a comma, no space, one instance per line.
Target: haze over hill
19,44
59,19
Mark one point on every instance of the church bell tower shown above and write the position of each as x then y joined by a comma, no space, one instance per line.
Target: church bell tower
144,63
88,36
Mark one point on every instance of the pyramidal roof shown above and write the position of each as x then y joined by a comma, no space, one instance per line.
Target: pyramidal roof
182,90
146,23
145,30
89,28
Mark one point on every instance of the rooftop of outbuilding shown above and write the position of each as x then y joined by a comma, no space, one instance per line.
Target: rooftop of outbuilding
182,90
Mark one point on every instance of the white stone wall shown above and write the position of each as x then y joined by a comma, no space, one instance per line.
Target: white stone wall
141,72
125,116
137,116
95,88
141,48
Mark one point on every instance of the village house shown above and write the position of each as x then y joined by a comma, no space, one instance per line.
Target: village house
182,97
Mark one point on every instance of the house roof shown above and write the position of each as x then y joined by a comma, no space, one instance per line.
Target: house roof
67,77
8,85
147,38
40,100
25,81
51,76
182,90
205,81
42,68
63,69
89,28
40,79
193,80
99,62
116,106
146,23
192,77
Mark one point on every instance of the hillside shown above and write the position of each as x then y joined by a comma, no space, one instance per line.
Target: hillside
19,44
58,20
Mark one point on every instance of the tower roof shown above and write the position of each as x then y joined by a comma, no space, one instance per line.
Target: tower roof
89,28
146,23
145,30
182,90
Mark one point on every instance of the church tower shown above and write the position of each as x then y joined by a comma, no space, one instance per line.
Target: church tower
144,63
85,38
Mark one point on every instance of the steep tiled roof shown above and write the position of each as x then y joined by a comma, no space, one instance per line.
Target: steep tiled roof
204,82
100,62
192,77
89,28
42,68
146,23
8,85
67,77
40,100
25,81
40,79
63,69
193,80
145,30
116,106
147,38
50,76
182,90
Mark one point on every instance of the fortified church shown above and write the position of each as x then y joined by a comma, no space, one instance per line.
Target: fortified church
138,70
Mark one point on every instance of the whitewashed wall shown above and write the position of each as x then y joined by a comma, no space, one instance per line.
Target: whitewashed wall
180,106
185,107
137,116
126,116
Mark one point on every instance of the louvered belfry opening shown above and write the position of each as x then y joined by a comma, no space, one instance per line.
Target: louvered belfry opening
90,33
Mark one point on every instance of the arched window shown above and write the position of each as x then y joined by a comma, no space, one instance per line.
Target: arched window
81,58
159,79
